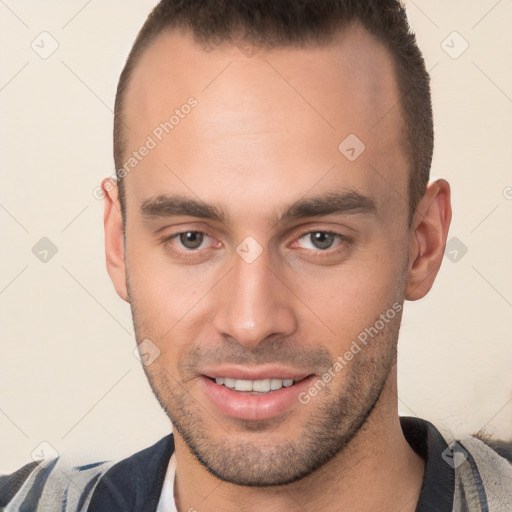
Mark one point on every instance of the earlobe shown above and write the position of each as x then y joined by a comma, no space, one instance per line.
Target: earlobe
427,241
114,237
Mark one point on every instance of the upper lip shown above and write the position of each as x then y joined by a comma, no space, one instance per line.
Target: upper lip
260,372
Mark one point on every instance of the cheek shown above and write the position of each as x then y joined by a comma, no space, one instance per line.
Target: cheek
349,298
167,288
167,300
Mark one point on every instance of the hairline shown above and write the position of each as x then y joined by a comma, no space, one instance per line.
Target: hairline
404,129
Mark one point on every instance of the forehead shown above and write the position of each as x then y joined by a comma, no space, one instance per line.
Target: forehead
286,119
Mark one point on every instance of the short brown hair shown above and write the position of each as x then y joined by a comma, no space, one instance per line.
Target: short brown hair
277,23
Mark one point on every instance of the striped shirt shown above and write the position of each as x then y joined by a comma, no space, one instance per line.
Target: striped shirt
461,476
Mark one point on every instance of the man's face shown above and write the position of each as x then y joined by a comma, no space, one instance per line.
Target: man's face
258,250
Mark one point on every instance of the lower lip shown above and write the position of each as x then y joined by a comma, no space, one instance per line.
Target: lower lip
245,406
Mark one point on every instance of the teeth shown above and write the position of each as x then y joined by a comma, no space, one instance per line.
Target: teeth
229,383
276,384
263,386
243,385
258,386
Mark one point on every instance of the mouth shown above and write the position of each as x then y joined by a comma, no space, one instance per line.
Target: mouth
256,387
261,398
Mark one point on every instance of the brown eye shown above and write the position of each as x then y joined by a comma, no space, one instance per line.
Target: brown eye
191,239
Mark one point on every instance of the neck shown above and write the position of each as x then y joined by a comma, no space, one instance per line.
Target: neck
377,470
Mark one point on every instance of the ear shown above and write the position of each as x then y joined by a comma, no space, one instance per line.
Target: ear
427,239
114,238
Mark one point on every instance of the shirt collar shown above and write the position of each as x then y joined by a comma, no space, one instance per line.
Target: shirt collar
136,482
438,487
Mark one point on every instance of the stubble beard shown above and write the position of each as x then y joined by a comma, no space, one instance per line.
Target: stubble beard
336,415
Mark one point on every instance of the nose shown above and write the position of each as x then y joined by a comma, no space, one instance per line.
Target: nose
254,304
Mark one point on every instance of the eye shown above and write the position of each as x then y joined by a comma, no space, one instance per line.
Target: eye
320,240
192,246
191,239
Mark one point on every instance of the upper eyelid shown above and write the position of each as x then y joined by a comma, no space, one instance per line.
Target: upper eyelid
163,238
328,231
301,235
342,237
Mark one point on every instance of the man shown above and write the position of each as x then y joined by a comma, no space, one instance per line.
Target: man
271,214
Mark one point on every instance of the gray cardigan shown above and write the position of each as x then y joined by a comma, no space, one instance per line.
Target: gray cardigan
467,475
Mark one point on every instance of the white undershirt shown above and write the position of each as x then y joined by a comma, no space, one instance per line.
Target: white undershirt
166,502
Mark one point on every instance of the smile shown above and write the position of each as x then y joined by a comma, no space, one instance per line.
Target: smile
254,399
255,386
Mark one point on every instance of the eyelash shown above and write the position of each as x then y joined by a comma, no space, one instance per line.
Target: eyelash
343,239
166,239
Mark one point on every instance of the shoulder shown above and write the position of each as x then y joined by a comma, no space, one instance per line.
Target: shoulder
502,448
47,484
11,484
59,483
483,473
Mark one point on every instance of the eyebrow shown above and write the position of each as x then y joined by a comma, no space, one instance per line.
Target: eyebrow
174,206
330,203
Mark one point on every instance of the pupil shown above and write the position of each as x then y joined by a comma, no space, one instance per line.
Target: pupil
322,240
191,239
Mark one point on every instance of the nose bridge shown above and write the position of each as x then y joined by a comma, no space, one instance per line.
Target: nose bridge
253,304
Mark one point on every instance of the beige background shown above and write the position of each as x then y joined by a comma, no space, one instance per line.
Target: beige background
67,369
